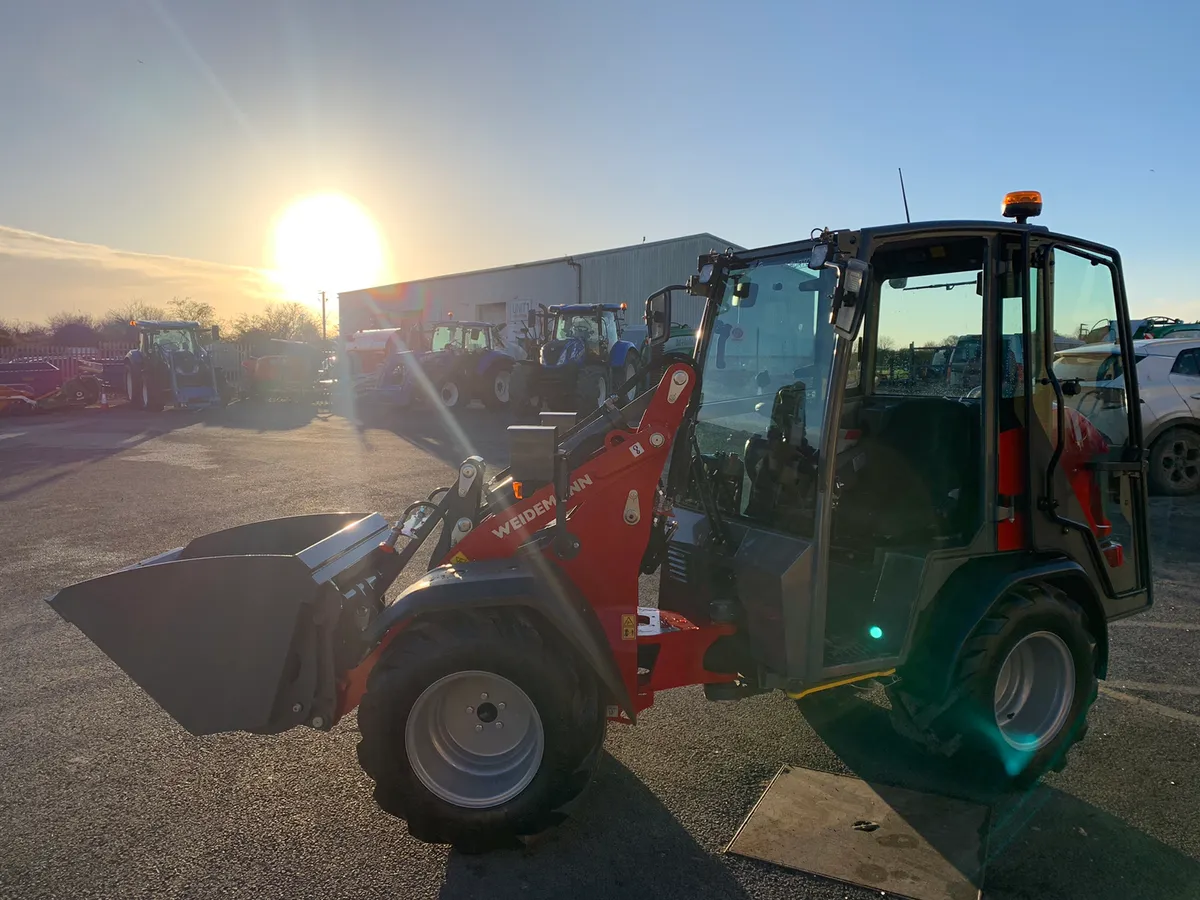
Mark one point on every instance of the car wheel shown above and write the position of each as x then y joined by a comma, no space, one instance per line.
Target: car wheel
1175,462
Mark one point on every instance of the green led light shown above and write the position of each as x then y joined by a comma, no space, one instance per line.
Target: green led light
875,631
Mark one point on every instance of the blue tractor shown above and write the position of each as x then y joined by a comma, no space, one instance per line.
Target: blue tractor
458,362
170,367
577,358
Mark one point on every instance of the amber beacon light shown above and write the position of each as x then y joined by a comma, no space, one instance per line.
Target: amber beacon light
1022,205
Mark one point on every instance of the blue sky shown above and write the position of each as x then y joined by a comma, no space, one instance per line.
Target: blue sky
479,134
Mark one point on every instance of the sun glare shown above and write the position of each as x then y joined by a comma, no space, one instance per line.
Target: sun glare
326,242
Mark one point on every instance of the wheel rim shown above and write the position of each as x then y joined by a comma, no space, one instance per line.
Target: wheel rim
145,395
501,386
1181,462
129,386
449,394
603,392
630,371
1034,691
474,739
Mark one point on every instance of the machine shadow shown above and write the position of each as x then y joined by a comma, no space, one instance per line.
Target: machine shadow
93,436
449,436
278,415
620,842
1042,842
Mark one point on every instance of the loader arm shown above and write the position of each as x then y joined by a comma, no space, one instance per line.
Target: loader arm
610,513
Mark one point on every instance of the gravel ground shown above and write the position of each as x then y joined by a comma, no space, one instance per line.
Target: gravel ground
103,796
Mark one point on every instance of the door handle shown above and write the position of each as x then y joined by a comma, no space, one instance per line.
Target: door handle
1196,396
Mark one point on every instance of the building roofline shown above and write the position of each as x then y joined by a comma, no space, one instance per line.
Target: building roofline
718,244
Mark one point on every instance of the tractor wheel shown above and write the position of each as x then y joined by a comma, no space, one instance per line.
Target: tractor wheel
1175,462
133,388
91,390
627,372
591,389
478,729
1027,678
497,387
449,394
151,399
522,400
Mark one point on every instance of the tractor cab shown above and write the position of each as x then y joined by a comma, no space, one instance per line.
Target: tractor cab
845,519
472,337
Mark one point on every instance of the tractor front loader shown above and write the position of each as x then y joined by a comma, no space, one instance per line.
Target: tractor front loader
812,531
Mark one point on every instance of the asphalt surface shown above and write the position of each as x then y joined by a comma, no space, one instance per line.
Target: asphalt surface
102,795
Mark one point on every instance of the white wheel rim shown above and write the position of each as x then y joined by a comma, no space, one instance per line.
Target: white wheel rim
450,394
474,739
145,395
1035,690
501,386
129,385
603,392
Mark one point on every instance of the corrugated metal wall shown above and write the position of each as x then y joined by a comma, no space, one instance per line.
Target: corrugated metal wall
625,275
631,274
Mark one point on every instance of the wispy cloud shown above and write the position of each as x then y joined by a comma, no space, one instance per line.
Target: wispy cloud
43,274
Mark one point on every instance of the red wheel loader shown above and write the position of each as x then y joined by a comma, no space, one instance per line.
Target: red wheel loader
812,528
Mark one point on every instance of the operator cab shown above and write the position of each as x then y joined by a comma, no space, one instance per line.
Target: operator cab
846,472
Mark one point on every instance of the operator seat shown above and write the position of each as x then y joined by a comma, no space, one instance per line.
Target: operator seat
921,478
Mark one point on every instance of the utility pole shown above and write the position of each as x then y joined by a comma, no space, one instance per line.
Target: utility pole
323,338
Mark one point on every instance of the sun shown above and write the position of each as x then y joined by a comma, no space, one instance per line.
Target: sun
325,242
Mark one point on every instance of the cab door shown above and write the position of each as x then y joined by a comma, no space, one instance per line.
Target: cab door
1087,475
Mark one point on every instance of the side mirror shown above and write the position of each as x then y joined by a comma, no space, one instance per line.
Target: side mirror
850,298
658,316
216,333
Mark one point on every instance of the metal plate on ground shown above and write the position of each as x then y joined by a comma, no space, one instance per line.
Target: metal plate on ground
921,846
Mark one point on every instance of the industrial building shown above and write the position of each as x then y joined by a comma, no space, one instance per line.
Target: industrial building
506,294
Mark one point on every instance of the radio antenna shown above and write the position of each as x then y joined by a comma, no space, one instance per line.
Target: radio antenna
904,195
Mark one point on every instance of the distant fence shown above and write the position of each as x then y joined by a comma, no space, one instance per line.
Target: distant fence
228,355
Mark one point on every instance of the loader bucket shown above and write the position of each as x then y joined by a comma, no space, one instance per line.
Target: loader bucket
220,633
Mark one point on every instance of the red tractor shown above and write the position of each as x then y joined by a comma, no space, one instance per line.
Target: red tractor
811,530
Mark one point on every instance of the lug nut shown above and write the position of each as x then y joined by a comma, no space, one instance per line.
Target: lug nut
483,696
499,724
479,728
470,709
500,705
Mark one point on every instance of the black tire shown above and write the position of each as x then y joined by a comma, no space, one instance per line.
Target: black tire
450,394
507,643
591,385
523,399
133,388
91,390
152,397
491,387
1175,462
968,730
628,370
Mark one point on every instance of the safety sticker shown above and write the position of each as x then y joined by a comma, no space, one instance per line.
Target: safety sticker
459,557
628,627
637,449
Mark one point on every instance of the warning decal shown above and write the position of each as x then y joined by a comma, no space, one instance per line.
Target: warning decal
628,627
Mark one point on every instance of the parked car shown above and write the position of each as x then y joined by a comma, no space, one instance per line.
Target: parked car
1169,389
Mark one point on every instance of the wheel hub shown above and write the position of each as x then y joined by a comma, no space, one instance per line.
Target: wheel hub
474,739
1182,461
1035,690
